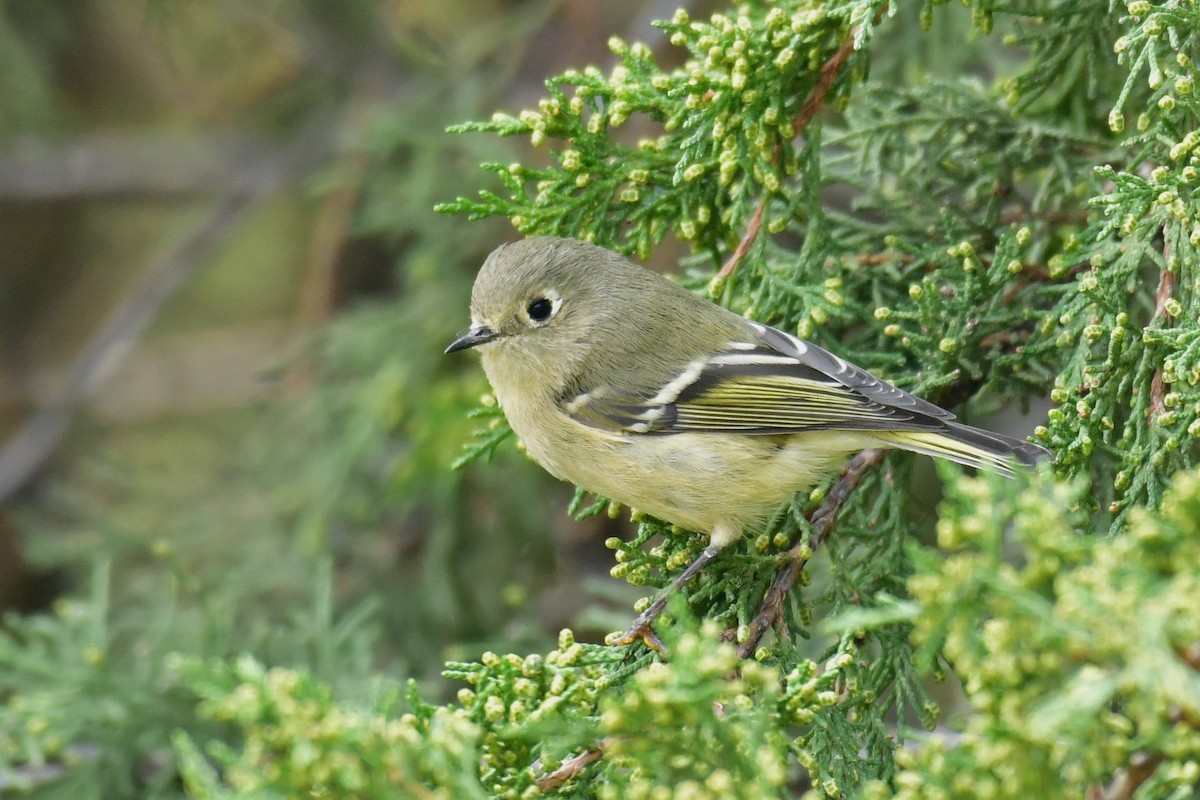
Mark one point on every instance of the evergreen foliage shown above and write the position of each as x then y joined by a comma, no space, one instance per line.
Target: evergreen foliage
973,244
1081,664
976,239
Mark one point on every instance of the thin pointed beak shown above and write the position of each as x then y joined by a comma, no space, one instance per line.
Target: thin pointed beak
472,338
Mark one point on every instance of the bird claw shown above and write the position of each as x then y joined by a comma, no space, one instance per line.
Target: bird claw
643,629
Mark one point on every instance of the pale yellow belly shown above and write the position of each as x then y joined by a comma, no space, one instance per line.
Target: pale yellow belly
695,480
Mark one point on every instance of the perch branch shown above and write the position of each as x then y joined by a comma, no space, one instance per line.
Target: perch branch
570,768
1166,290
822,520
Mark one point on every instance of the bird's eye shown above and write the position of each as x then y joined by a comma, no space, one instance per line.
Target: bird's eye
539,310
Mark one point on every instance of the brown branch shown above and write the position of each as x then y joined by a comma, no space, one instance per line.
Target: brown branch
812,104
748,237
822,520
1190,655
1127,781
570,768
1015,214
1008,339
829,73
1166,289
879,259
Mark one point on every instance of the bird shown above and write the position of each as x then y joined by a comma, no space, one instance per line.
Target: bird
628,385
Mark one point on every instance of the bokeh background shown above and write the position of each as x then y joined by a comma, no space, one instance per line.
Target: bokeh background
224,295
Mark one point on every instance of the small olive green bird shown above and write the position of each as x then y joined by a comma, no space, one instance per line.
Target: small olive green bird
634,388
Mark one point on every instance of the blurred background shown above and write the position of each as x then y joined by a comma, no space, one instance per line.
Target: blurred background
224,295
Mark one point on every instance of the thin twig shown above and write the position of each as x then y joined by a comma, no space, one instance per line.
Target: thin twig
748,237
1190,655
1008,338
1166,290
570,768
26,778
822,521
1126,783
812,104
829,73
879,259
1015,214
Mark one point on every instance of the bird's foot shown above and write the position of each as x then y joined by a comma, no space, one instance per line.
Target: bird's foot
643,629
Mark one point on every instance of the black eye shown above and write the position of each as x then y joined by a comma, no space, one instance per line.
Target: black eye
539,310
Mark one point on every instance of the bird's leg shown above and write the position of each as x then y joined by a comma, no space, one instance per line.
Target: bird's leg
643,627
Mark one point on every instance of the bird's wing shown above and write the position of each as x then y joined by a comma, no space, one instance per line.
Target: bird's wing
771,383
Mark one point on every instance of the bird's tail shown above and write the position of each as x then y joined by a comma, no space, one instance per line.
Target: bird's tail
970,446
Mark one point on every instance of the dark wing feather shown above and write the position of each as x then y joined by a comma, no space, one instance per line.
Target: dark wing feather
774,383
845,373
771,384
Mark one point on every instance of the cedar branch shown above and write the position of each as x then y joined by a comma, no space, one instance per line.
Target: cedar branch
570,768
822,520
1166,290
812,104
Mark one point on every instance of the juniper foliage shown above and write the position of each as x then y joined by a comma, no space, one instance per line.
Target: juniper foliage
977,242
1024,226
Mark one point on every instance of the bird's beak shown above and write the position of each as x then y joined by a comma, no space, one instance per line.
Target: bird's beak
476,336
